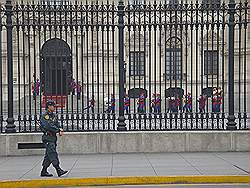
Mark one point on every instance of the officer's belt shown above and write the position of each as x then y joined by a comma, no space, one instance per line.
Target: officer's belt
48,133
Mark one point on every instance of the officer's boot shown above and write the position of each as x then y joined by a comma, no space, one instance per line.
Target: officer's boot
60,171
44,172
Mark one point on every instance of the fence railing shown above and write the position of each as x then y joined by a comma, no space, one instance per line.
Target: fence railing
120,66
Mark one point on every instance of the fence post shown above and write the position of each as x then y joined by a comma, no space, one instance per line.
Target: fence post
231,124
121,118
10,128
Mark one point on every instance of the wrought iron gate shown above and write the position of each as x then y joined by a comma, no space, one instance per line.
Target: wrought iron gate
125,66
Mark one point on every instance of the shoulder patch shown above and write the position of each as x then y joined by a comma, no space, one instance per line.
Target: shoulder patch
46,117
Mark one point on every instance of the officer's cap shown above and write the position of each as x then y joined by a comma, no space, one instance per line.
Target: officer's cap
50,103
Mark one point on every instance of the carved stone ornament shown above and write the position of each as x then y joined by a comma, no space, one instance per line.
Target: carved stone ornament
136,42
181,36
210,39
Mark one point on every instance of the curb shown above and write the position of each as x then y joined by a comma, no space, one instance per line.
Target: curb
39,183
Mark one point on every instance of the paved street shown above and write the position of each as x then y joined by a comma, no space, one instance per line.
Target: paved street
177,186
143,164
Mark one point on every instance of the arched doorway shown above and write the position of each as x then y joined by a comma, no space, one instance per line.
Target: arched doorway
56,67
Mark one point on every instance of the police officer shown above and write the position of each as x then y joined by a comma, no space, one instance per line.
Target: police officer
50,127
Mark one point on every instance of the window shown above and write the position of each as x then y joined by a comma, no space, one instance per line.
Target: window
173,2
137,63
173,59
211,3
136,2
55,2
210,62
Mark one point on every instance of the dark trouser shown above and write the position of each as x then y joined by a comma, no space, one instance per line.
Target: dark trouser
202,109
126,109
51,155
214,108
34,95
157,109
78,95
140,108
185,108
218,108
174,109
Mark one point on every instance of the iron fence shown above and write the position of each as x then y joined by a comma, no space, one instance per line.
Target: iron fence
125,66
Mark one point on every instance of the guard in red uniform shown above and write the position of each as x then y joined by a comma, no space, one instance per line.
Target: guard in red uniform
189,102
78,90
178,102
174,105
126,103
92,104
152,105
214,103
219,103
202,103
112,101
157,103
141,103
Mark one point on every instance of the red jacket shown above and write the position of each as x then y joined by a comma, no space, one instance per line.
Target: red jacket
126,102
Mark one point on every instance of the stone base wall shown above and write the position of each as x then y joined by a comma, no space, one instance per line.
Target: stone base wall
131,142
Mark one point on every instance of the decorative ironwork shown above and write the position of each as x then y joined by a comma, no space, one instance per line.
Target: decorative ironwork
78,54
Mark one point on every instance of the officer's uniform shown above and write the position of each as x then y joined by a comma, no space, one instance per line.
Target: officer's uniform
50,126
126,104
141,103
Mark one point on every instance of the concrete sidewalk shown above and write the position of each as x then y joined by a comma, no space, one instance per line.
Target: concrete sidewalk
153,164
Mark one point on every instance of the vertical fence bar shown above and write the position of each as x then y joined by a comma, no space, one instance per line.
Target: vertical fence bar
102,61
160,55
181,60
223,63
186,62
138,59
92,61
150,59
212,64
87,68
121,118
29,64
144,58
108,66
196,63
72,51
81,97
10,128
35,70
77,65
39,27
245,65
97,66
155,51
231,124
129,60
239,25
24,65
133,62
113,68
201,59
1,73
